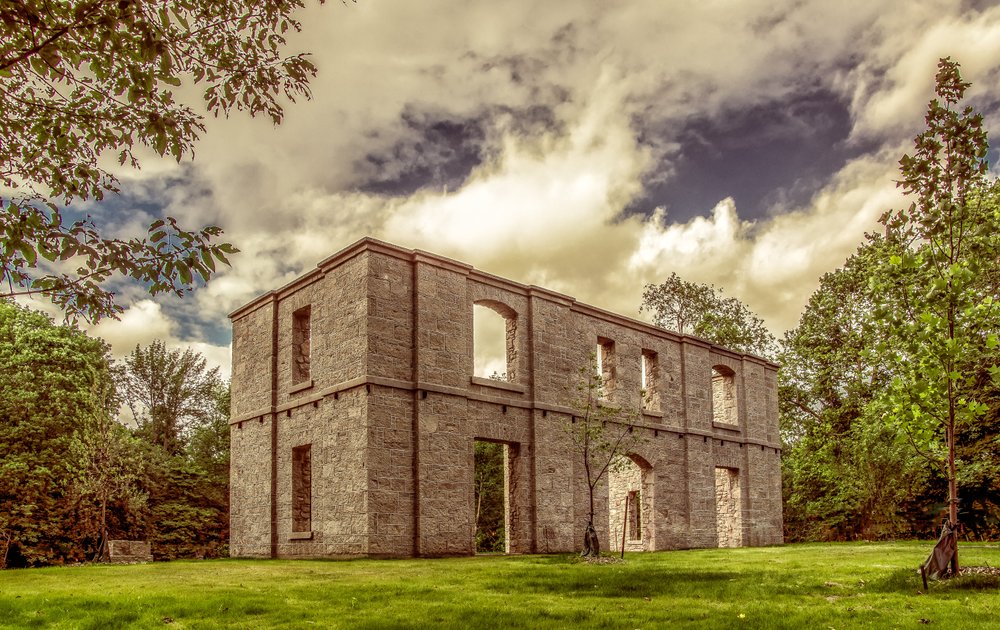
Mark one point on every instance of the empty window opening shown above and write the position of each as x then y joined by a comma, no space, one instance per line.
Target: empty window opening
606,365
494,341
629,500
490,496
724,395
302,488
650,381
301,341
728,507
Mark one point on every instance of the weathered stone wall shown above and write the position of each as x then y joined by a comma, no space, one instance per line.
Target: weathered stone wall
391,411
250,488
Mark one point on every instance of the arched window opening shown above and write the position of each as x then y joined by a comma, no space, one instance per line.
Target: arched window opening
724,409
494,341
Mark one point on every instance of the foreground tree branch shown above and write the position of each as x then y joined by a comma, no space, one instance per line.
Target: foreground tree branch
84,78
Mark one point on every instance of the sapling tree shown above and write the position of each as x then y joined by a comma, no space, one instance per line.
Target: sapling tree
940,315
489,496
602,433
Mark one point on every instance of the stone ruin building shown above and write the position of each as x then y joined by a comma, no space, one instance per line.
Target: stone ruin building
355,410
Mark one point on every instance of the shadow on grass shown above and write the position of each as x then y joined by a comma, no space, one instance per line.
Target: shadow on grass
605,581
908,581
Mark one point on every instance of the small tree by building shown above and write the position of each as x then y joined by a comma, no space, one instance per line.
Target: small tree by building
602,433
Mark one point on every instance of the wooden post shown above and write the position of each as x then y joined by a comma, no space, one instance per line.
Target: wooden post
625,525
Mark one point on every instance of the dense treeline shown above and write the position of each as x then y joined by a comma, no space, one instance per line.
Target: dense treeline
851,469
72,476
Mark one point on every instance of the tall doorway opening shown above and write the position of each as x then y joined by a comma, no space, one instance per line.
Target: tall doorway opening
491,497
728,507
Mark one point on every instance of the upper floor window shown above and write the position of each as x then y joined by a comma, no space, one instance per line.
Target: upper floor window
650,380
606,365
724,408
494,341
301,348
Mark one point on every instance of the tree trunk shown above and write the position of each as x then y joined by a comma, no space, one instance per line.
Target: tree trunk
6,549
591,544
952,473
952,483
102,548
624,526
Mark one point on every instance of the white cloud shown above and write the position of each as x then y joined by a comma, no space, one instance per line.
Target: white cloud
144,322
619,80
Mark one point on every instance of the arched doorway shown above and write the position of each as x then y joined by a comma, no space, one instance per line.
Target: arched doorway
630,501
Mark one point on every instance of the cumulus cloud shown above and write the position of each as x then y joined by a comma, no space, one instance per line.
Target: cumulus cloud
572,109
144,322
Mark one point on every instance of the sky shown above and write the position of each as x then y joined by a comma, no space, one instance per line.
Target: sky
587,147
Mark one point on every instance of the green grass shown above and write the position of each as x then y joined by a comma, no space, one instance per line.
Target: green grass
795,586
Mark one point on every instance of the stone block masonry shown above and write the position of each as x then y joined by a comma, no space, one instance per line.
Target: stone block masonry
129,551
355,411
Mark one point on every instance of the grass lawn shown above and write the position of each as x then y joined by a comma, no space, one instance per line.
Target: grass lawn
795,586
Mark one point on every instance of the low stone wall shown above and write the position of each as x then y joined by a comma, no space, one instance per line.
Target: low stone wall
129,551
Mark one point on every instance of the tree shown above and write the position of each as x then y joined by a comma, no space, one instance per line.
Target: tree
108,462
208,446
947,235
601,434
169,393
86,78
187,509
182,411
52,377
701,310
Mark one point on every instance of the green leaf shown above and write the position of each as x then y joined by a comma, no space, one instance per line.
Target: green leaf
161,142
29,253
184,272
